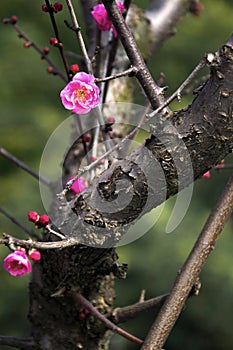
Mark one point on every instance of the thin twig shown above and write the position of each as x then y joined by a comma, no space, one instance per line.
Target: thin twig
131,70
188,274
18,223
177,93
8,240
42,54
84,302
123,314
77,30
23,344
23,166
56,32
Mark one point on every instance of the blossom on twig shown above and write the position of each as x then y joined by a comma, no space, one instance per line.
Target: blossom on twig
17,263
81,94
78,186
101,18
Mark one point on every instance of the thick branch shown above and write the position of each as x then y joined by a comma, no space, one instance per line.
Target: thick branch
190,271
181,149
153,92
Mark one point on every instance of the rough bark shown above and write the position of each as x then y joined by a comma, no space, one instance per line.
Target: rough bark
203,132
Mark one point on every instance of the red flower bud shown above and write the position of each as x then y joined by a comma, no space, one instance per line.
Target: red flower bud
74,68
207,175
46,50
86,138
14,19
5,20
27,44
50,70
53,41
33,216
57,7
44,220
44,8
34,254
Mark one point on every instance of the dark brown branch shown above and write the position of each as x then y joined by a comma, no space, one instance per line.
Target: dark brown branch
190,270
129,71
22,344
18,223
152,91
23,166
84,302
123,314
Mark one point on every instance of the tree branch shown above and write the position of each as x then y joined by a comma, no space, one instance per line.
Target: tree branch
190,270
22,344
152,91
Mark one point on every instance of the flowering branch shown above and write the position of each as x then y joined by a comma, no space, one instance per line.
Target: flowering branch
190,270
50,9
151,89
29,43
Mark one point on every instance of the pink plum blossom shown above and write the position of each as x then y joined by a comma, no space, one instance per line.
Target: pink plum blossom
100,15
17,263
78,186
81,94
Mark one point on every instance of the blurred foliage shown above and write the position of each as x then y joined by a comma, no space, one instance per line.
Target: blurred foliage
31,110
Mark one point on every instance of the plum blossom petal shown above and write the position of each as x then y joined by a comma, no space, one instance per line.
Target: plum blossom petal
102,19
17,263
78,186
81,94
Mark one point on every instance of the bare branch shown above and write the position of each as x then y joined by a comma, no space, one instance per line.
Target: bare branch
18,223
190,270
22,344
83,301
23,166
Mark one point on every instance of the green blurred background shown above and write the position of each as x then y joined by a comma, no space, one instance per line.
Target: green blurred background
31,110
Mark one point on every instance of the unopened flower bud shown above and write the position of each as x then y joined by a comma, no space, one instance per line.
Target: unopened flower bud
50,70
53,41
34,254
58,6
14,19
44,8
46,50
44,220
74,68
33,216
86,138
5,20
27,44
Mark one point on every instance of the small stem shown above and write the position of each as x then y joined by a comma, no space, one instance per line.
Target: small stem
60,46
23,166
117,75
18,223
84,302
23,344
177,93
187,276
7,240
123,314
42,54
77,30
